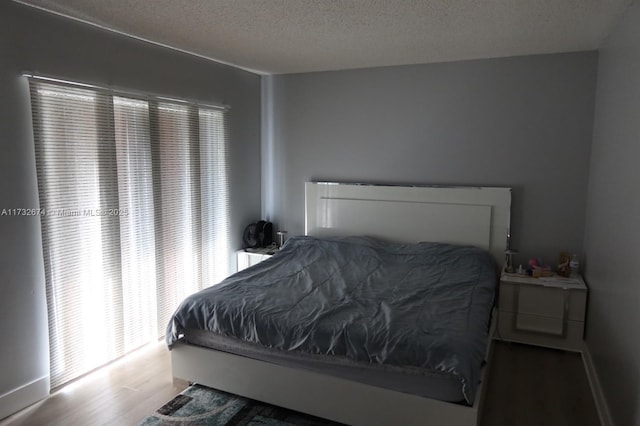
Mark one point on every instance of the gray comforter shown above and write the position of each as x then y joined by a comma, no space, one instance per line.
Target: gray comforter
424,305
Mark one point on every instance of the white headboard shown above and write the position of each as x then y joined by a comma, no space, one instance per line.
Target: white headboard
477,216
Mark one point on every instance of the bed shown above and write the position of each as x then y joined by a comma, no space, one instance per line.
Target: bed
331,362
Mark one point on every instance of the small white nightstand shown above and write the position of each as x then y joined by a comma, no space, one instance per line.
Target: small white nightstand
245,259
542,311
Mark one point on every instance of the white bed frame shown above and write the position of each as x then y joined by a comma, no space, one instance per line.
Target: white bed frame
465,215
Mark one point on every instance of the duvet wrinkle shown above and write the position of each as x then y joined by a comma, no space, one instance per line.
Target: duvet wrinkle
313,289
359,298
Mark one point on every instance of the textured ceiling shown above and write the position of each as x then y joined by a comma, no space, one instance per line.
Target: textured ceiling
287,36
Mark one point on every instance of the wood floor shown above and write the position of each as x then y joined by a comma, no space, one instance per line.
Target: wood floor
536,386
120,394
527,386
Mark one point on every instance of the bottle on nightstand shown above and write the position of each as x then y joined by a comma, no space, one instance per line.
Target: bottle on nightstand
574,264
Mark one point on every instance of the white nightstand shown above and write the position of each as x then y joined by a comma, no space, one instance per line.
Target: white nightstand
245,259
542,311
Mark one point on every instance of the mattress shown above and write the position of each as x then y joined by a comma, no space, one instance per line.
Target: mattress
369,305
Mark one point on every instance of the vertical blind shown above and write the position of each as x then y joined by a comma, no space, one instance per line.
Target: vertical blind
134,209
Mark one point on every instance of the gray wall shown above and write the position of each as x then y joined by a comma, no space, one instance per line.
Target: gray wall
51,45
523,122
612,240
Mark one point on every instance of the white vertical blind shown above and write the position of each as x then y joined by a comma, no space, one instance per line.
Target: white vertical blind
214,174
137,233
180,208
134,201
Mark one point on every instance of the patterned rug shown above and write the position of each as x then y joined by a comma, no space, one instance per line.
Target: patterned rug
200,405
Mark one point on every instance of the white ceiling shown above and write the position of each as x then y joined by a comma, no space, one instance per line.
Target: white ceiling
288,36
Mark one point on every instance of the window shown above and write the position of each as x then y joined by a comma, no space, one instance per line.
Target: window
134,209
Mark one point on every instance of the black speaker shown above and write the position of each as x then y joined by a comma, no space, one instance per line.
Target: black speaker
259,234
265,234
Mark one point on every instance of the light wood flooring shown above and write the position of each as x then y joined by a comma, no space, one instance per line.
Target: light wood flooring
527,386
120,394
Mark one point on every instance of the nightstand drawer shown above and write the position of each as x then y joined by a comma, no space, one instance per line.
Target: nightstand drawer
549,332
539,324
541,301
537,299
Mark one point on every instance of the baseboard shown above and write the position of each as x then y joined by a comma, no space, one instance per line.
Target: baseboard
596,388
17,399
